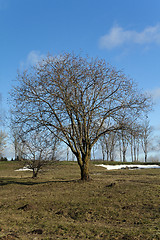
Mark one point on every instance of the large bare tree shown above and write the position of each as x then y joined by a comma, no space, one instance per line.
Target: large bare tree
80,97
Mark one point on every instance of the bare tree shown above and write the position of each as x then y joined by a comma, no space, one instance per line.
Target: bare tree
3,138
0,109
16,139
146,131
123,144
128,135
108,144
112,145
3,135
38,149
102,142
3,117
80,97
18,145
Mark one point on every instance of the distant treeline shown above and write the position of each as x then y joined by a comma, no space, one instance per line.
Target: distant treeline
3,159
6,159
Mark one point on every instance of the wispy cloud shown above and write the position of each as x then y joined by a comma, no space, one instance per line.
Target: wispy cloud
32,58
118,36
155,93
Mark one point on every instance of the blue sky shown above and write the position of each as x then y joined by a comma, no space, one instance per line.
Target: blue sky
124,32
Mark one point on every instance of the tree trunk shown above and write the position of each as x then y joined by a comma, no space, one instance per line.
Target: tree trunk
107,155
103,155
145,158
35,173
111,155
93,153
124,155
84,167
120,151
134,149
85,172
138,151
67,154
132,154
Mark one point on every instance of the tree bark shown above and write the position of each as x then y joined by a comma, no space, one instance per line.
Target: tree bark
145,158
84,167
107,156
85,172
124,155
35,173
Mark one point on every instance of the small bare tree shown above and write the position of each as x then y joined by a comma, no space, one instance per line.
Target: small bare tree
38,150
82,98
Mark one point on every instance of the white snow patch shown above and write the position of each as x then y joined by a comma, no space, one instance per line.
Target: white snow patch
130,166
24,169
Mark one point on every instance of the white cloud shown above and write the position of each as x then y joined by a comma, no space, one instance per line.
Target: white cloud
32,58
119,36
155,93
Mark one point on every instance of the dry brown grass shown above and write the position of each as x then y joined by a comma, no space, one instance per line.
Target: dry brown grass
121,204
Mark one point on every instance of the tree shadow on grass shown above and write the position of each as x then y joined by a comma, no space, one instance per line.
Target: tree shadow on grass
8,181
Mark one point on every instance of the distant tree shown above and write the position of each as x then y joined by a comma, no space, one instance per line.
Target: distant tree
134,138
3,159
146,132
80,97
123,144
112,145
3,135
108,144
3,117
0,109
17,142
103,145
126,135
3,138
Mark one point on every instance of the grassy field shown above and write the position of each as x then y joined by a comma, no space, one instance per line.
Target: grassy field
121,204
